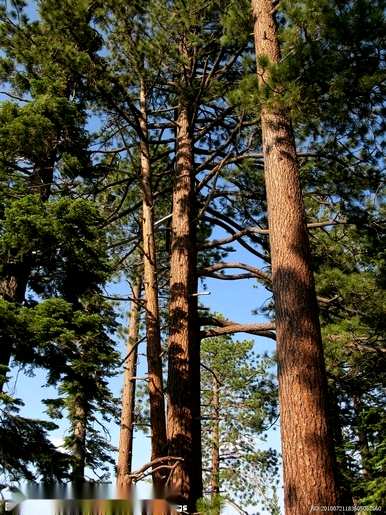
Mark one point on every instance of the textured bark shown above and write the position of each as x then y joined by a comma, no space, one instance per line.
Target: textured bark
153,333
308,457
125,451
79,435
184,431
215,463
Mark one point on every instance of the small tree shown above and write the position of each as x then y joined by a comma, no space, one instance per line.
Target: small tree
239,404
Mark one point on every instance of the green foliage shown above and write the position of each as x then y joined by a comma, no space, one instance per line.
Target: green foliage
211,506
26,451
60,239
247,407
69,200
350,269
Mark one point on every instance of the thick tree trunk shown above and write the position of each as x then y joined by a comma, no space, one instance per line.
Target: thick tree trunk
79,435
184,352
125,452
308,456
215,464
153,333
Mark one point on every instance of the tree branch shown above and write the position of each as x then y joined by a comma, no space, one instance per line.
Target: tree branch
158,463
235,236
233,231
224,326
255,272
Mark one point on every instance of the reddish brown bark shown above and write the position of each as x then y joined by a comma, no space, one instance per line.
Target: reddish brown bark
308,456
125,451
184,352
153,332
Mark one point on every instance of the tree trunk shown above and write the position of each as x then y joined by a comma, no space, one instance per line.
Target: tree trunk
308,456
215,465
184,437
154,360
125,454
79,435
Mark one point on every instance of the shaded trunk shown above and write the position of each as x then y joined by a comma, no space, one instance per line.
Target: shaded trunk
79,437
215,465
307,447
153,333
184,345
15,276
41,179
125,451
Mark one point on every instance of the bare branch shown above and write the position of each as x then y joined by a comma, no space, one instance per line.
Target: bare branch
232,231
165,462
224,326
14,97
212,372
256,272
235,236
230,277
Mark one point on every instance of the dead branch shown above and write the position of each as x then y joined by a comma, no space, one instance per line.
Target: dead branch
154,465
255,272
212,372
232,231
224,326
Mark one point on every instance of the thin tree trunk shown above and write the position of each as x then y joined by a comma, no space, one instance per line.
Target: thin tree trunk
308,455
184,345
125,452
215,465
79,435
153,333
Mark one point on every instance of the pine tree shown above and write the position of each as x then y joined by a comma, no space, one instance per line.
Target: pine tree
50,267
353,334
238,405
301,368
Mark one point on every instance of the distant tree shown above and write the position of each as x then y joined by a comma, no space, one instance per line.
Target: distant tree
126,436
239,405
